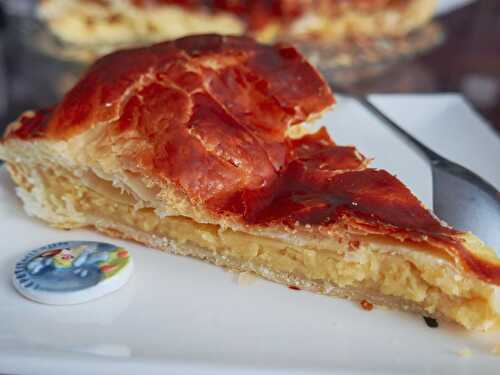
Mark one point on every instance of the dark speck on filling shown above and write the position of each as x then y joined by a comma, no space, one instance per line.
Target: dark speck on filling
431,322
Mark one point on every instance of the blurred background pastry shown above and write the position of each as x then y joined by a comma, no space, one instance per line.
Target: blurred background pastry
100,23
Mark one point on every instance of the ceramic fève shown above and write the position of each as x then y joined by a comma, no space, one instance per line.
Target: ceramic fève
72,272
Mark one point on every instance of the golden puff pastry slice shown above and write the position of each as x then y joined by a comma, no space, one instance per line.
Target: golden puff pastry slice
198,147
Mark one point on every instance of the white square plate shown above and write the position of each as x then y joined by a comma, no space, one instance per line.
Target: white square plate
180,315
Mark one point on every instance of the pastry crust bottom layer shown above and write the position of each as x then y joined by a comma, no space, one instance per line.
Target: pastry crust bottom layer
355,268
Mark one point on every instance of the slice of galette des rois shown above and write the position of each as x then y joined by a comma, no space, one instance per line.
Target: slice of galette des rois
200,147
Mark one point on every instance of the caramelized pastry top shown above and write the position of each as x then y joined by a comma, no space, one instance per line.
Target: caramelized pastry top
210,114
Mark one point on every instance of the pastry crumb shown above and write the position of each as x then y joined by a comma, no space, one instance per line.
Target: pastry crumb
246,279
496,349
366,305
465,353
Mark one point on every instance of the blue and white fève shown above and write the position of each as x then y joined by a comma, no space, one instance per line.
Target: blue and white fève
72,272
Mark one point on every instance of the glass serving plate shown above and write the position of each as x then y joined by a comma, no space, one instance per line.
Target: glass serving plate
356,60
